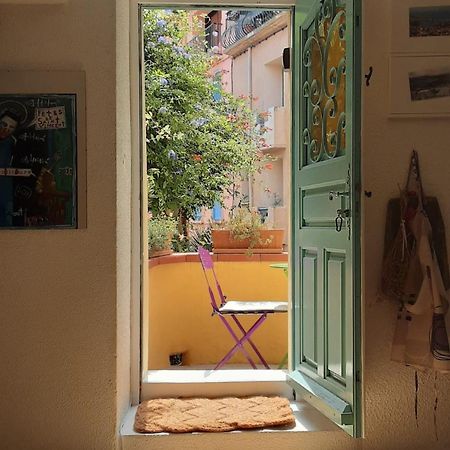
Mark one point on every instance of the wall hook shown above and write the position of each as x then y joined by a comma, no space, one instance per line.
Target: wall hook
368,76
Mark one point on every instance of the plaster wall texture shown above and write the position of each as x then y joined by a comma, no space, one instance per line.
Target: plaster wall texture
58,287
123,195
240,75
386,148
267,70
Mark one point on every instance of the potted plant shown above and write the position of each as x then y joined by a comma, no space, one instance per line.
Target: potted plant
244,232
160,232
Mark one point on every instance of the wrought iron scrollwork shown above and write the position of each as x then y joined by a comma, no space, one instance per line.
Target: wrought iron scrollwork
241,23
324,86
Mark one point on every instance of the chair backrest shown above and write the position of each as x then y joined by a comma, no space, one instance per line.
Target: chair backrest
208,270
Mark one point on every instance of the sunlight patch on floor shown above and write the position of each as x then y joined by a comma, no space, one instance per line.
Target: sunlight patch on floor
199,375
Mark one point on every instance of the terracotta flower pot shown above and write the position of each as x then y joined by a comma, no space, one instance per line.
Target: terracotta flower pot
223,242
164,252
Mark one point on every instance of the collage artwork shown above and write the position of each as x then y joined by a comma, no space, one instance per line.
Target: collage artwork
38,161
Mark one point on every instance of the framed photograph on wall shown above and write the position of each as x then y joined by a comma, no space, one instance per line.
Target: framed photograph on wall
42,150
420,26
420,85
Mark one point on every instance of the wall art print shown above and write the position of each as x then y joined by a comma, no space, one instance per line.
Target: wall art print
38,161
420,26
420,85
427,21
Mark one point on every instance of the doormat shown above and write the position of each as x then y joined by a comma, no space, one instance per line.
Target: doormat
221,414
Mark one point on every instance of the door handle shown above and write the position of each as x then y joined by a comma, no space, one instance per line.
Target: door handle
341,215
337,194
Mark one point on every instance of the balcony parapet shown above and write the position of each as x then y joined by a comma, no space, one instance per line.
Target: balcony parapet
175,258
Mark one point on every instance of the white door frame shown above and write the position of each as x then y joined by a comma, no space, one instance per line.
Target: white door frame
138,177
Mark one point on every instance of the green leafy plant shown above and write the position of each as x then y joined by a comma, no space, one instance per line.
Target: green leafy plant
246,224
200,139
201,237
196,236
160,232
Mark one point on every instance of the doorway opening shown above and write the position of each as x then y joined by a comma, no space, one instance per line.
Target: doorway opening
217,119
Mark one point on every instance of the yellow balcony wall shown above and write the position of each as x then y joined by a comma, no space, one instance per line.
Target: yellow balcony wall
180,311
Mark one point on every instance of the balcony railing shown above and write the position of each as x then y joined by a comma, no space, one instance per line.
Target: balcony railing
243,23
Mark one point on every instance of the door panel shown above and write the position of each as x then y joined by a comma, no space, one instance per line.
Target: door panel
318,210
335,314
309,306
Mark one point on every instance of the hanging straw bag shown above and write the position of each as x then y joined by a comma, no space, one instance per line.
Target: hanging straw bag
399,246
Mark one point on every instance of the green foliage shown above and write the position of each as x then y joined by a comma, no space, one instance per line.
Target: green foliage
197,236
246,224
200,139
201,237
160,232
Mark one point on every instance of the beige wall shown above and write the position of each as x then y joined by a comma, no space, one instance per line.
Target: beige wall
240,83
265,61
126,379
267,70
58,374
59,289
386,150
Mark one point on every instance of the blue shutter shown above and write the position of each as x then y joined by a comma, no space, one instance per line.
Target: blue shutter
198,214
217,212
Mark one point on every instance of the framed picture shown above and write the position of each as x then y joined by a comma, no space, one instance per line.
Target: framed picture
419,26
420,85
42,150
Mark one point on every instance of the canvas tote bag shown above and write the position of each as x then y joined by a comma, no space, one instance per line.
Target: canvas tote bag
421,338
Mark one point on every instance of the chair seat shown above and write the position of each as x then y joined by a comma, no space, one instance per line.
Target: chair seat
240,307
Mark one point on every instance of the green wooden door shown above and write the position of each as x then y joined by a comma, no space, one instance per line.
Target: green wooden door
325,215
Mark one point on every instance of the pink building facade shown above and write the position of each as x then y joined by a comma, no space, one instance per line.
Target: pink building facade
248,48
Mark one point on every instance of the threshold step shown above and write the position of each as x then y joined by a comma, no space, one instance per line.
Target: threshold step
307,419
214,383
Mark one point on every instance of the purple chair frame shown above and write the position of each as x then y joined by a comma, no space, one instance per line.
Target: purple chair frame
234,308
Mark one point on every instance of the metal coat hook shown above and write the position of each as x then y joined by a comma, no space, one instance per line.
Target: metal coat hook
368,76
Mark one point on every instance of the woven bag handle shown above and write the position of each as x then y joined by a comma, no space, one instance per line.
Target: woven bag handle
414,181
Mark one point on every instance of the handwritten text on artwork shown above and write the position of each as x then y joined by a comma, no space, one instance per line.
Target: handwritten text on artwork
50,118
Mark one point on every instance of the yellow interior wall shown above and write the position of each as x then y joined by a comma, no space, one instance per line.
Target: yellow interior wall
180,312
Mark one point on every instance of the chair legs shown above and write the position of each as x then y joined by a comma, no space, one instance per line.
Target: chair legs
263,361
239,342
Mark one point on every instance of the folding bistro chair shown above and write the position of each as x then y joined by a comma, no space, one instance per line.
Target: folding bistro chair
229,310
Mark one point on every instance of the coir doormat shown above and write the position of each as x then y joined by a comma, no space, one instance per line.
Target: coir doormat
221,414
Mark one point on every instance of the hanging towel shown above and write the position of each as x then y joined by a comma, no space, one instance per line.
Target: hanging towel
421,335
